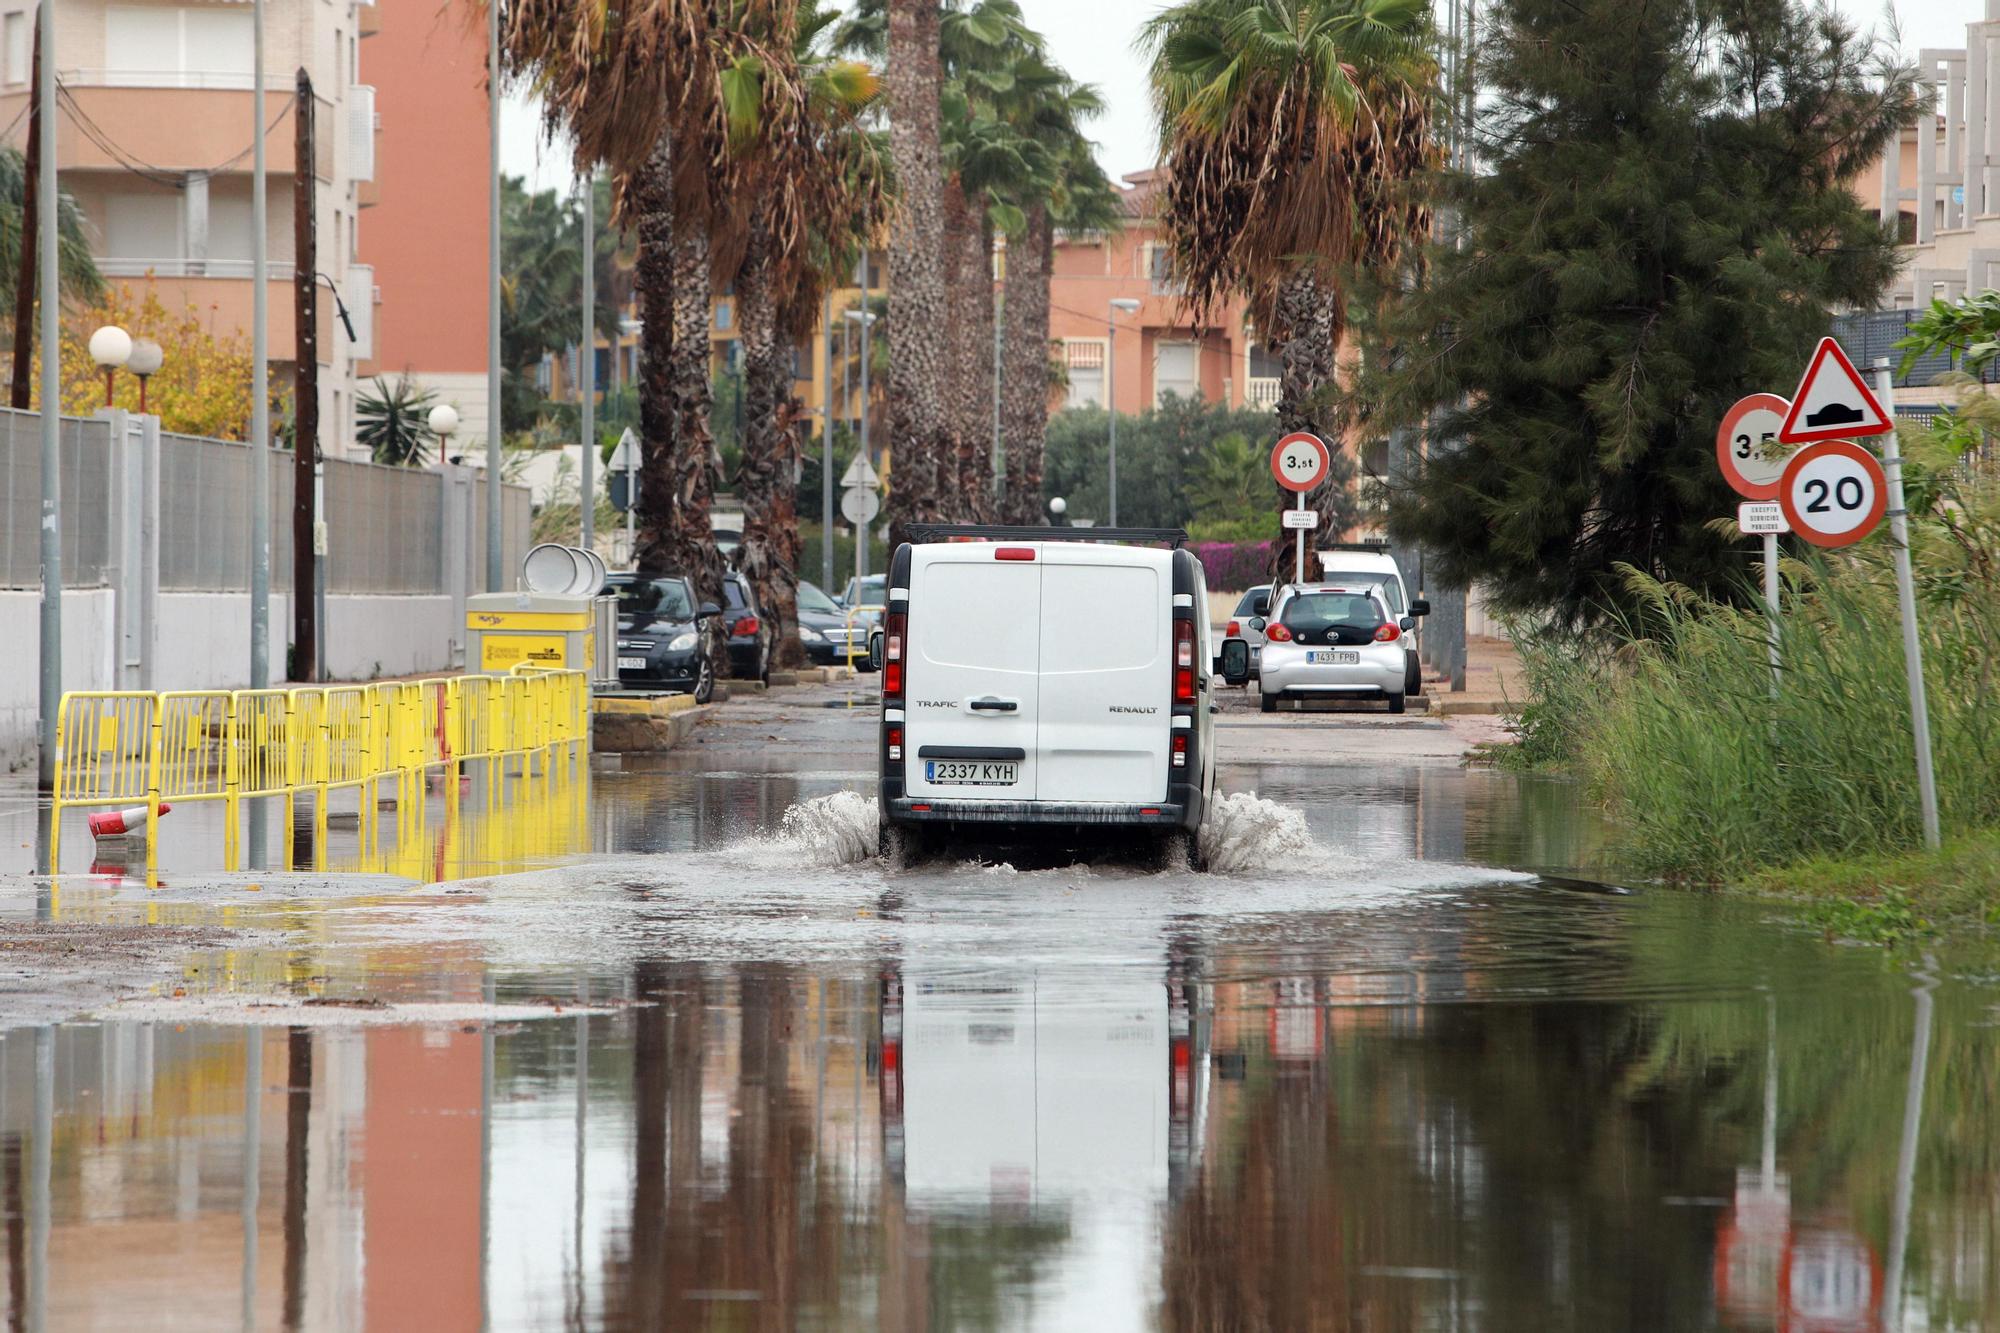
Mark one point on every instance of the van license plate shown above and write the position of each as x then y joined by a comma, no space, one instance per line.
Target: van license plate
631,664
954,773
1333,657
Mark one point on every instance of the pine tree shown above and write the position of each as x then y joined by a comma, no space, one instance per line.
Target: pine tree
1659,224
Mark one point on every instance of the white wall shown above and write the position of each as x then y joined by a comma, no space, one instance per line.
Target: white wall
87,637
204,644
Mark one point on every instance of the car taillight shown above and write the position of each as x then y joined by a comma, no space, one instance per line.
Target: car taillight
1235,631
745,627
895,743
1387,633
1183,661
1278,634
1180,749
892,655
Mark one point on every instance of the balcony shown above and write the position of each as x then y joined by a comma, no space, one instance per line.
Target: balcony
181,122
1261,391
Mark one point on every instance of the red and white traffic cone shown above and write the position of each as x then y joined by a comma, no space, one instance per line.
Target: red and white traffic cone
121,823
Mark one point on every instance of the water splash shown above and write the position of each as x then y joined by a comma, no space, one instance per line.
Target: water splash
835,830
1244,831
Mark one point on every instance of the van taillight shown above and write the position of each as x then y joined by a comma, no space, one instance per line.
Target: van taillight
1387,633
895,744
1183,661
893,631
1180,749
1013,553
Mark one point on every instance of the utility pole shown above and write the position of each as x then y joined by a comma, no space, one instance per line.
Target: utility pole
998,301
305,385
24,280
51,610
826,442
587,367
494,563
260,377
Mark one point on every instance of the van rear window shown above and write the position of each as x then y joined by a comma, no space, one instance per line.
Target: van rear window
977,614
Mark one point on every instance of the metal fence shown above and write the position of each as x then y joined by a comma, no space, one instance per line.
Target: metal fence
88,492
386,527
1875,333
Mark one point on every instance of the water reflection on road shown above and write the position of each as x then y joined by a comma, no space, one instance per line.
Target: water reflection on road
1366,1087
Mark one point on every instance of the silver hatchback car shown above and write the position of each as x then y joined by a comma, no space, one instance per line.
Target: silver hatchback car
1333,641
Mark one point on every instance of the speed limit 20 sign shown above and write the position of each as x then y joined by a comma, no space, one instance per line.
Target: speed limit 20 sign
1300,461
1833,493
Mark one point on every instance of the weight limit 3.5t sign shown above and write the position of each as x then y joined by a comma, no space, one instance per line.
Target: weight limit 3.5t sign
1833,493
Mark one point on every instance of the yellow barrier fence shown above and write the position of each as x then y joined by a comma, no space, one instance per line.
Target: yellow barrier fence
129,749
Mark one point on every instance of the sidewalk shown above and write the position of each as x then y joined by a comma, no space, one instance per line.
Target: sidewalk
1492,680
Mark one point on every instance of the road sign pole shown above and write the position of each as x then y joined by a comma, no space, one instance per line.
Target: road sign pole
1299,551
1906,600
1771,610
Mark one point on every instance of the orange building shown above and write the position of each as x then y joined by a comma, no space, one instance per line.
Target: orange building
426,224
1156,350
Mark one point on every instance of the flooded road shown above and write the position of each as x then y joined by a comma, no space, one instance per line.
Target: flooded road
670,1049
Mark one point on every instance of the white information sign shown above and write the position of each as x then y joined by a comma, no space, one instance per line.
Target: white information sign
1758,517
1301,518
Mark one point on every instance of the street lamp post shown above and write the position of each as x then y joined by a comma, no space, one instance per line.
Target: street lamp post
443,421
260,375
1129,306
587,363
866,318
494,527
145,362
1057,506
110,348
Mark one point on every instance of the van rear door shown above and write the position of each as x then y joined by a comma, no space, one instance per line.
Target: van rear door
971,682
1106,645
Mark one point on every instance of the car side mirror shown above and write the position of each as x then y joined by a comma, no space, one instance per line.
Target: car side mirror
1420,607
1257,623
1408,622
706,610
1261,605
1235,661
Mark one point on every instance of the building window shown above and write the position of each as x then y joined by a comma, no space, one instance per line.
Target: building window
159,46
1176,370
1084,359
16,38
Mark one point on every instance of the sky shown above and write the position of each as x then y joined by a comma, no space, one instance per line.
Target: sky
1093,40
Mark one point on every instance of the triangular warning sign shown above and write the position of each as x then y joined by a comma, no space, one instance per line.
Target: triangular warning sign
1833,401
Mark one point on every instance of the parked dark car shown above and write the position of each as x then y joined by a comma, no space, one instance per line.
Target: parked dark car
749,632
824,629
659,647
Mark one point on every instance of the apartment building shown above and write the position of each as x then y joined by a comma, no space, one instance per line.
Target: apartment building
1155,350
155,141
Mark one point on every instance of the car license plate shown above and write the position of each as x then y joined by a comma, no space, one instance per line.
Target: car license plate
631,664
951,772
1333,657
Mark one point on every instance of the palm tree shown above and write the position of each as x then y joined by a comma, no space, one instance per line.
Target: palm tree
1292,132
637,86
919,433
393,421
804,184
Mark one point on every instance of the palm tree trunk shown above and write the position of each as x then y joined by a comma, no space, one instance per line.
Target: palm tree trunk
1305,329
653,281
696,464
919,433
769,554
1024,390
973,349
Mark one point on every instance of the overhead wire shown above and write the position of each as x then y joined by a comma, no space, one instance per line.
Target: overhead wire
169,177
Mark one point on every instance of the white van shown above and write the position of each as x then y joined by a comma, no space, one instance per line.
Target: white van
1033,679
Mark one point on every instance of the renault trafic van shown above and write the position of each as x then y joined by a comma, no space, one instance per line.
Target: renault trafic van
1045,677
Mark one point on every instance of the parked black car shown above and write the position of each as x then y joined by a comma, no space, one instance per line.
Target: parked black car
824,629
658,645
750,633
